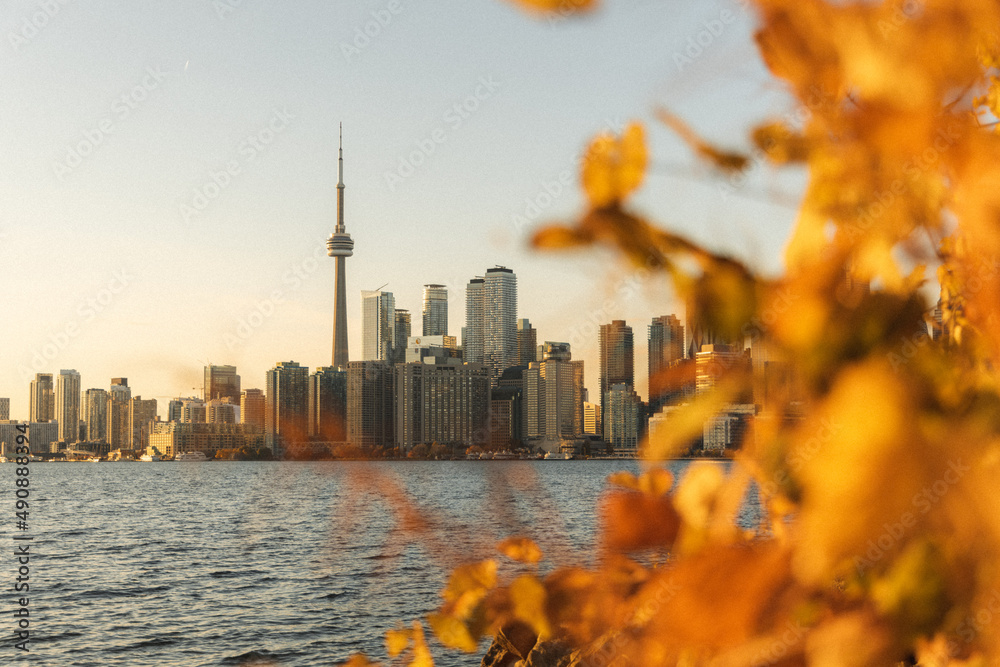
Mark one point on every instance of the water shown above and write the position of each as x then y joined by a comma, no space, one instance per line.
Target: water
242,563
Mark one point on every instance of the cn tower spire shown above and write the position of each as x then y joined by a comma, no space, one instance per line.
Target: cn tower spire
340,246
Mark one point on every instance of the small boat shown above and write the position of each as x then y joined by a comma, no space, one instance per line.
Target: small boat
191,456
558,456
94,459
504,456
149,458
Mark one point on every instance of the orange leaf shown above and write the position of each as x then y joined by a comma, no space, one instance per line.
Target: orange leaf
520,549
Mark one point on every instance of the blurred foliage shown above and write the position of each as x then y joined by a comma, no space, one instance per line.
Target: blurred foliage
877,457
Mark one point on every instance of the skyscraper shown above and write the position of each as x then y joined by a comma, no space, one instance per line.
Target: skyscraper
222,382
527,343
553,396
340,246
617,360
95,414
328,404
378,326
623,420
68,405
666,347
252,406
370,403
435,310
119,435
140,414
402,334
42,399
500,322
286,416
4,409
447,403
475,321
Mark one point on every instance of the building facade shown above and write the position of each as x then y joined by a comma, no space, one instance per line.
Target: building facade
378,325
370,403
286,413
666,348
173,438
68,405
119,435
95,414
435,310
475,321
401,336
446,403
4,409
252,407
617,355
527,343
500,325
221,382
42,399
141,413
328,404
624,417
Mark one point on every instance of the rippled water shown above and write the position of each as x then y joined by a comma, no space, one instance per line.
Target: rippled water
241,563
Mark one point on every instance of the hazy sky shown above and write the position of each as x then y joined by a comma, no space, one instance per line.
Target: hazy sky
167,171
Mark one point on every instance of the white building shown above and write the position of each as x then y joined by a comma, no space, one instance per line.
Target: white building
378,325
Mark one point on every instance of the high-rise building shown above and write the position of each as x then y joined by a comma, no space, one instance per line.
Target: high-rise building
221,382
666,348
119,435
419,347
68,405
527,343
286,415
623,417
140,414
617,360
402,334
42,400
435,310
592,418
378,325
222,411
475,320
328,404
711,362
500,327
370,413
252,407
173,438
445,403
95,414
4,409
553,396
340,246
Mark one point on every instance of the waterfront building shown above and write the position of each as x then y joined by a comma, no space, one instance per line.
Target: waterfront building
378,326
370,413
509,391
592,418
623,420
711,362
328,404
173,438
527,343
727,428
553,397
500,321
286,414
340,246
666,348
252,407
475,320
41,435
67,405
221,382
4,409
435,310
42,400
402,334
617,358
95,414
119,434
446,403
189,411
140,414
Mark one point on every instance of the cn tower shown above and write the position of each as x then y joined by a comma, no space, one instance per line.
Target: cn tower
340,246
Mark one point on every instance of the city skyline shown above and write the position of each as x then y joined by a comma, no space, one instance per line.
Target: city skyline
180,200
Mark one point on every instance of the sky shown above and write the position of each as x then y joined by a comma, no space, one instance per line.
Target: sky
168,171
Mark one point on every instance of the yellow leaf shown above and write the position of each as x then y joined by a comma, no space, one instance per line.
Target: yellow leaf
397,640
359,660
520,549
724,160
560,7
468,585
421,654
528,597
613,168
452,632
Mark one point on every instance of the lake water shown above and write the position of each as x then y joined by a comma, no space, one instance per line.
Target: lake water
242,563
